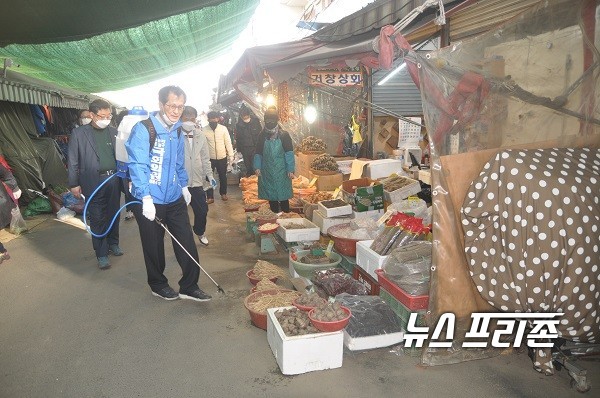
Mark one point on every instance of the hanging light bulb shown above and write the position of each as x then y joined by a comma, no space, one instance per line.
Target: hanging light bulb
310,111
270,100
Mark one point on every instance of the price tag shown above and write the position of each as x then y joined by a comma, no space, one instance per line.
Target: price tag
385,217
329,248
336,193
312,182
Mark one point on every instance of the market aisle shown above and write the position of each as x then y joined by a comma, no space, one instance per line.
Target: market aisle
70,330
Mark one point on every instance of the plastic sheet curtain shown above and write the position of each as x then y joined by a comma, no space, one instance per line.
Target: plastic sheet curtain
530,83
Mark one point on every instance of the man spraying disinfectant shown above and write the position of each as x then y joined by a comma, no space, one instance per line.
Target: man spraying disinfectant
155,150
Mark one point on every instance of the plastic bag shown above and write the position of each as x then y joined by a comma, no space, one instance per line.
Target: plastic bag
408,267
17,222
335,281
64,213
38,206
72,203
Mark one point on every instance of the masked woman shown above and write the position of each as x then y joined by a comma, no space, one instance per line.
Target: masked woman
274,163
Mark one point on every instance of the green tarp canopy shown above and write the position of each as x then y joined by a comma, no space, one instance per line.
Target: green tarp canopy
102,46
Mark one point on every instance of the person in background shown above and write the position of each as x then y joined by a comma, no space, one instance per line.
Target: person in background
84,117
247,130
6,202
160,182
197,165
274,163
221,153
91,162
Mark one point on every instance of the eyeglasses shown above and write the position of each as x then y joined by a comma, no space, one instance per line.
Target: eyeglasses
173,108
104,117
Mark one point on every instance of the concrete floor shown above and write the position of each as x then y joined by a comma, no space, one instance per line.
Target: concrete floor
68,329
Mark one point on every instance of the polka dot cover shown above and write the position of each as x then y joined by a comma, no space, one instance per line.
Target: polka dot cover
531,222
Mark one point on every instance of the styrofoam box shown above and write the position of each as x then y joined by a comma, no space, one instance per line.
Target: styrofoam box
334,211
412,188
370,342
324,223
311,232
374,214
367,259
382,168
306,353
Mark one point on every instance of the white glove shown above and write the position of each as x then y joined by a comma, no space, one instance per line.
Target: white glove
148,209
17,194
187,196
213,182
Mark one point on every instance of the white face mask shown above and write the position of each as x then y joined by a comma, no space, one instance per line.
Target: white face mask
102,123
188,126
86,120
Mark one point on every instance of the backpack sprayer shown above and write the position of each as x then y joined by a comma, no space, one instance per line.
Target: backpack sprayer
136,114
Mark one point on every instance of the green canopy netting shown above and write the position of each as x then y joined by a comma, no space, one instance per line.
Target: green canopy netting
126,58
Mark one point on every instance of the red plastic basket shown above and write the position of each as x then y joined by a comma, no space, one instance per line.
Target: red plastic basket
260,319
334,326
411,302
344,246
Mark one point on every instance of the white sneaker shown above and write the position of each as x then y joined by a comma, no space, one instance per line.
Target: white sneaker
204,240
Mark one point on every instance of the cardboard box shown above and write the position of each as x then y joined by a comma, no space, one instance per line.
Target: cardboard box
309,233
382,168
363,194
344,163
328,182
324,223
367,259
306,353
303,162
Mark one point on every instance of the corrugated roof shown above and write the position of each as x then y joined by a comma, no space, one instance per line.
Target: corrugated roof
26,90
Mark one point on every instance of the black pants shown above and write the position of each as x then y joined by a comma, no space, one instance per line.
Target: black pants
248,155
125,190
200,208
175,217
101,209
277,206
221,166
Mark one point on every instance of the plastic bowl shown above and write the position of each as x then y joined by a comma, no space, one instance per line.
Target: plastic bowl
259,319
345,246
304,307
254,280
330,326
307,270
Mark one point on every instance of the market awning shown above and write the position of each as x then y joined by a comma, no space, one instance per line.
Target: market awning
27,90
81,48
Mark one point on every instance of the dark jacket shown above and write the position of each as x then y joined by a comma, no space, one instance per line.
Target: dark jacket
84,162
246,134
6,201
286,141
